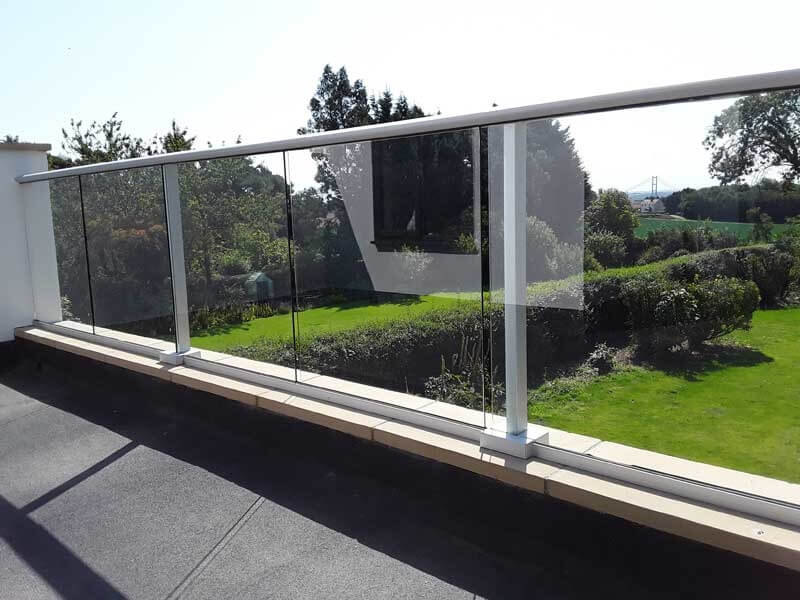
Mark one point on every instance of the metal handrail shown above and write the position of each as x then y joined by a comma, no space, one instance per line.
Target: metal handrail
685,92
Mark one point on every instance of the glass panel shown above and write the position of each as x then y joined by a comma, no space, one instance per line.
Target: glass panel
388,270
129,266
73,277
661,305
236,249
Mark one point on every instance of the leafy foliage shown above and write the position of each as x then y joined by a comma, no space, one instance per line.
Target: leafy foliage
757,132
606,247
612,212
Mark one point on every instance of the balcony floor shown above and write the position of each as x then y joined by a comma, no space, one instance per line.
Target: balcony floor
114,485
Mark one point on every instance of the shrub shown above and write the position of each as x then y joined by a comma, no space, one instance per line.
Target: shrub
658,312
234,262
652,254
548,257
601,359
691,240
541,243
768,267
398,354
590,263
666,314
566,260
455,388
723,305
608,248
612,212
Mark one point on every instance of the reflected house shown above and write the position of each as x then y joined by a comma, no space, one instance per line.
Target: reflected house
414,208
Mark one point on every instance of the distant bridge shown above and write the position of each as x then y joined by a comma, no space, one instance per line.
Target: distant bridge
654,186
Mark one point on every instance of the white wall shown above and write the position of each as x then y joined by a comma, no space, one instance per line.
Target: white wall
16,284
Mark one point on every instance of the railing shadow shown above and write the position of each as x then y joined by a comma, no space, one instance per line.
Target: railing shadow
56,564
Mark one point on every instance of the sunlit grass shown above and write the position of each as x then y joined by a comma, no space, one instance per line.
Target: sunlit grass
317,321
738,408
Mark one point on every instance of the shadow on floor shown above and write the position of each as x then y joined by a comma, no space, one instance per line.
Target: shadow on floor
485,538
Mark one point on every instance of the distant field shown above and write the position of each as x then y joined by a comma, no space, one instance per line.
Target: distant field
743,230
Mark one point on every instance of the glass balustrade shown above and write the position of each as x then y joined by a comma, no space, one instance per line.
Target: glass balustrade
388,270
628,278
128,256
70,253
644,293
236,253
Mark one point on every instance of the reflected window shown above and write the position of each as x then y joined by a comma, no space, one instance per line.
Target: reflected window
424,197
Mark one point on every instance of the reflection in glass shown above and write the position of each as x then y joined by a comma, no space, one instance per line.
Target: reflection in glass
73,278
544,171
236,251
388,265
128,252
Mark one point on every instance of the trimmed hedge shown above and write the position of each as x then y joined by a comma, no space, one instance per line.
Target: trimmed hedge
689,299
665,315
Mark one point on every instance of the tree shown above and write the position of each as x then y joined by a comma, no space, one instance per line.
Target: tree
337,104
105,142
100,142
755,133
340,104
762,224
612,212
175,140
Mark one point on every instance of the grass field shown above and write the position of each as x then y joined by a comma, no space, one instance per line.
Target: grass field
315,321
743,230
738,408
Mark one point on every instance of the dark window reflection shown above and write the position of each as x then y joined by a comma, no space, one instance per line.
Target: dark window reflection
423,193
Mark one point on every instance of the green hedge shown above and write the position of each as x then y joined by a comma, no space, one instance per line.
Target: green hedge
687,299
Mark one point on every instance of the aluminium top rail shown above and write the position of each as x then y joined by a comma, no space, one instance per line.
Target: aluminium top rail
700,90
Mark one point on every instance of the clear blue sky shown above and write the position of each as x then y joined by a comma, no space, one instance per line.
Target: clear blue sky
248,68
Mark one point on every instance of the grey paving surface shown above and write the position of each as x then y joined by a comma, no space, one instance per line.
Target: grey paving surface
120,487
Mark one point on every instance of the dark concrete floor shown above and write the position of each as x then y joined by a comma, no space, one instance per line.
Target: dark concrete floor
114,485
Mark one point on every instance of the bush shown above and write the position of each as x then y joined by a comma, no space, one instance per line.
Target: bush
682,301
723,305
768,267
234,262
608,248
601,359
689,240
652,254
566,260
590,262
398,354
665,314
547,257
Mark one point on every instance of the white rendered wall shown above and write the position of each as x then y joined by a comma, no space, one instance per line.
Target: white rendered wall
25,217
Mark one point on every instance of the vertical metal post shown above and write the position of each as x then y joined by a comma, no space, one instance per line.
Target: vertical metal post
515,277
172,197
476,186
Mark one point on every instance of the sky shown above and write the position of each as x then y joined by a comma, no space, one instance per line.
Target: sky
234,68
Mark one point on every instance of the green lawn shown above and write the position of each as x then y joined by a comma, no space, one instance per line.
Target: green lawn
647,224
314,321
740,409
